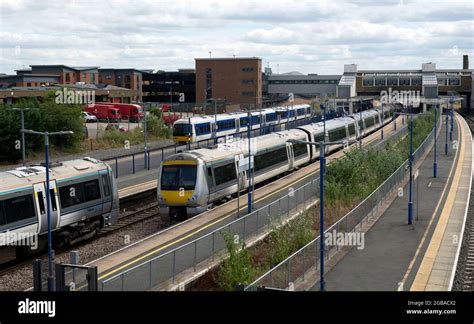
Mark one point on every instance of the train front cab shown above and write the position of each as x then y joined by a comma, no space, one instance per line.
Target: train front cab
177,188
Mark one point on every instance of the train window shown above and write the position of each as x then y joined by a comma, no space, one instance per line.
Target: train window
225,173
255,120
271,117
351,129
319,138
174,177
271,158
19,208
79,193
54,207
41,203
337,133
209,172
369,121
3,219
300,149
181,129
106,185
91,190
202,129
244,121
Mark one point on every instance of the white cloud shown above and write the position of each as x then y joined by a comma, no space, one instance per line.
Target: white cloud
309,36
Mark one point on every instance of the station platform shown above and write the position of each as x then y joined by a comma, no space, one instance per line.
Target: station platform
422,256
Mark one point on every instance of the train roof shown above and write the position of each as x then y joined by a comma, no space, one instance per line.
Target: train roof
229,150
26,176
225,116
366,113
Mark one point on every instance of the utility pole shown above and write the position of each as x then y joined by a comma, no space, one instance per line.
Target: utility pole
46,135
22,114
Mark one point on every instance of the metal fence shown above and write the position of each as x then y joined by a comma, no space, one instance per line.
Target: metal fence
169,267
295,268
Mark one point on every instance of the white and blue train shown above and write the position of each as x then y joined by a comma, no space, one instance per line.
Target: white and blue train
191,182
83,199
200,128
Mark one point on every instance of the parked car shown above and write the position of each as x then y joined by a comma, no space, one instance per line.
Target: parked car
116,126
88,117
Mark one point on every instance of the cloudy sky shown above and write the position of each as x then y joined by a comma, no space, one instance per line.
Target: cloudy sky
307,36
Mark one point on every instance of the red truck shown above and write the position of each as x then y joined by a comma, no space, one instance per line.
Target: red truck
104,112
133,112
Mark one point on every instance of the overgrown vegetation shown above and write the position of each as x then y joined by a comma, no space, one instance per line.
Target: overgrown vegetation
347,182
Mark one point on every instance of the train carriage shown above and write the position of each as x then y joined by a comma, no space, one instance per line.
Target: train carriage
83,199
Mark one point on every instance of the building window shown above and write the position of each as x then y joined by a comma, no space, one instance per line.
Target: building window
392,82
83,75
68,77
454,82
368,82
380,82
248,93
247,69
248,81
404,82
416,82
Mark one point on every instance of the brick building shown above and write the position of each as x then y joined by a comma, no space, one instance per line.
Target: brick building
235,80
125,78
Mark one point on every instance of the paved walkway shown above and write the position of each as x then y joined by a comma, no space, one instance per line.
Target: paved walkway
394,250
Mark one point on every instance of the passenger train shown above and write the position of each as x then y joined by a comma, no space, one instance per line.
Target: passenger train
199,128
191,182
84,198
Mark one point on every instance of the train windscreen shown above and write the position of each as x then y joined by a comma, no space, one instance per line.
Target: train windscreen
175,177
181,129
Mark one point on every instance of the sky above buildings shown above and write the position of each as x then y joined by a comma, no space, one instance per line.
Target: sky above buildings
306,36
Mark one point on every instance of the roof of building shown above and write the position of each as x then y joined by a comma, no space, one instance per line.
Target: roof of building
227,58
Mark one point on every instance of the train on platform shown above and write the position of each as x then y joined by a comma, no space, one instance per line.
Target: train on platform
198,128
192,182
83,199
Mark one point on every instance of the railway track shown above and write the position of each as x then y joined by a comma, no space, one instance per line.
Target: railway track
135,217
466,273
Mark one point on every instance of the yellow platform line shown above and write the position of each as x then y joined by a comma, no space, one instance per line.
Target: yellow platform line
426,266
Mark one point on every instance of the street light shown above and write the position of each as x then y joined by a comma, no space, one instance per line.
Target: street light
322,167
410,163
361,123
145,136
447,126
48,203
435,164
383,120
249,126
22,114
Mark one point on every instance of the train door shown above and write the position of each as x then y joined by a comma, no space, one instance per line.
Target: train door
213,129
241,172
106,193
41,205
289,149
237,125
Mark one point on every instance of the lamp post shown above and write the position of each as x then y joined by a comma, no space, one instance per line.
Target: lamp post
48,202
322,167
383,120
451,101
435,164
22,114
410,164
361,123
249,126
447,126
145,137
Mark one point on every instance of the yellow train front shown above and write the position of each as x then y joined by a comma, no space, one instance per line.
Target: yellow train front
182,186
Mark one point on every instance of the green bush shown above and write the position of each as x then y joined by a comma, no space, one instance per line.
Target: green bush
237,268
